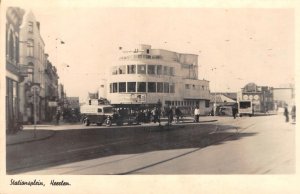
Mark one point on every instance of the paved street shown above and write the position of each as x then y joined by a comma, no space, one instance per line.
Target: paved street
247,145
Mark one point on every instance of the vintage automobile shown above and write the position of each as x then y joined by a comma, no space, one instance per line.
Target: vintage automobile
97,114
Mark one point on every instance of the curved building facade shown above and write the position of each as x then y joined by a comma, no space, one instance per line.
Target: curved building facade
144,75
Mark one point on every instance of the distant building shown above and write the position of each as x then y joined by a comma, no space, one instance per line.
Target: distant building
146,76
51,90
261,96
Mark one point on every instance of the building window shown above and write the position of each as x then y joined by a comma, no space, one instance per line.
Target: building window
115,87
141,86
172,72
160,87
206,103
194,87
122,69
166,70
122,87
172,88
30,46
166,87
30,27
110,88
131,86
152,87
151,69
131,69
187,86
141,69
159,70
114,70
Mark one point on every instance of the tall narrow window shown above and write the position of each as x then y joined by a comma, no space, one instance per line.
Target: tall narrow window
30,48
166,70
166,87
122,87
172,88
160,87
30,27
11,45
131,69
115,87
122,69
159,70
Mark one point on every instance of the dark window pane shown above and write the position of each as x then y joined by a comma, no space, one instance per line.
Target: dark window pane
131,86
141,69
160,87
141,87
115,87
159,70
131,69
122,87
166,87
151,87
151,69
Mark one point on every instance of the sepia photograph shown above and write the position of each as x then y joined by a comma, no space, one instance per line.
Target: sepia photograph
171,91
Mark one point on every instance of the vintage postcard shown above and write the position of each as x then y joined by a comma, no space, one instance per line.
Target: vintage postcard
149,97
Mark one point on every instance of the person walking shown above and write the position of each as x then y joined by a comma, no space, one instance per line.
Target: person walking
234,111
286,113
57,117
178,114
293,113
170,115
197,114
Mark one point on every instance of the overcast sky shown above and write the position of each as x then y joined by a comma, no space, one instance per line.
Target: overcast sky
241,45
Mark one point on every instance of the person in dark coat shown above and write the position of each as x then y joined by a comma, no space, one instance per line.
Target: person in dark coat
234,111
178,114
286,114
57,117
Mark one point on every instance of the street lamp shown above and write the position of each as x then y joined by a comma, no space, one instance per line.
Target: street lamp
215,98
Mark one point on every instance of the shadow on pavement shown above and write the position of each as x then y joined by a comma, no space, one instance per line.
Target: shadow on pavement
75,145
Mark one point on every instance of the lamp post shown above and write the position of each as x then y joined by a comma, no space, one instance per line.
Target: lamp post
215,98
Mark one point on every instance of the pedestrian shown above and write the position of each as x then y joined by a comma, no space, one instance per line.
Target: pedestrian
293,113
177,113
57,117
170,115
286,113
234,111
197,113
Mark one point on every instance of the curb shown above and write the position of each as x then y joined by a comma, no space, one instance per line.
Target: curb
32,140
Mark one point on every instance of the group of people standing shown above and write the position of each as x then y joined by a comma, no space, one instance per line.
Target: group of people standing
293,113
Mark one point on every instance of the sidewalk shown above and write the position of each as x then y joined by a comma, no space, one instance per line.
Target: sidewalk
47,130
26,136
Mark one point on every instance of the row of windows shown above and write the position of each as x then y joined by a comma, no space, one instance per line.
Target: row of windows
196,87
191,103
151,87
143,69
141,57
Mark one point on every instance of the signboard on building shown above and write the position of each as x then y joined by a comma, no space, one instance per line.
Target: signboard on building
138,97
52,104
